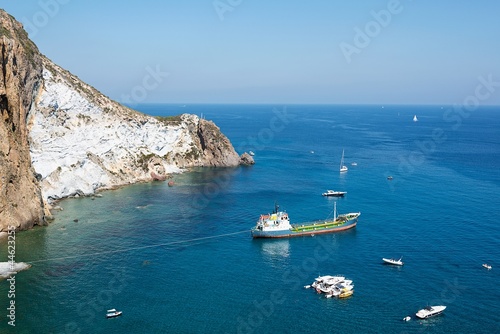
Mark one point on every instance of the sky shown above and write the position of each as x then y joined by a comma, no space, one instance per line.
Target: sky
284,52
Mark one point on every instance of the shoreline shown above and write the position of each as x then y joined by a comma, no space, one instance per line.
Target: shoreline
53,204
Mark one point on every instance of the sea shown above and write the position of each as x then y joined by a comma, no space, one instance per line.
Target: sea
181,259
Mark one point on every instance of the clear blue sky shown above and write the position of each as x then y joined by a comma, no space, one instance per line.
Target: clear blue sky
426,52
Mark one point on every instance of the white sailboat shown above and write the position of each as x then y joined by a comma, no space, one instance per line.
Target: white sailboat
343,168
415,119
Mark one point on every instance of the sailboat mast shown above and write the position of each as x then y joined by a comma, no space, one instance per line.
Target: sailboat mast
342,160
334,211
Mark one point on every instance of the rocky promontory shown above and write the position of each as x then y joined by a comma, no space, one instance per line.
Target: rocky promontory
60,137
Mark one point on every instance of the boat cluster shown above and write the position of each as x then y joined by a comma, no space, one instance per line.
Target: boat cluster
333,286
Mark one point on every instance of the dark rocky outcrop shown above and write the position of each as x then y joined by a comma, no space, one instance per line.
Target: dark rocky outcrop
246,159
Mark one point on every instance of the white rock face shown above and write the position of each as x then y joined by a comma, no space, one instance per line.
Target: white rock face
80,141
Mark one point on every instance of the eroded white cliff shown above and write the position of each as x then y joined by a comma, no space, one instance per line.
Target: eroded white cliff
80,141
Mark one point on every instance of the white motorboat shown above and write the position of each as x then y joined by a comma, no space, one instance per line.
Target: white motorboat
345,282
333,280
415,119
334,193
487,266
407,318
324,288
328,278
113,313
430,311
393,261
335,292
344,286
251,153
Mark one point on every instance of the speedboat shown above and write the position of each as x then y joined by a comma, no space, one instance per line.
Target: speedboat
407,318
113,313
344,286
335,292
430,311
346,294
332,280
393,261
487,266
324,288
334,193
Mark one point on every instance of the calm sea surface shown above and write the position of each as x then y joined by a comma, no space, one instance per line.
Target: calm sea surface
181,259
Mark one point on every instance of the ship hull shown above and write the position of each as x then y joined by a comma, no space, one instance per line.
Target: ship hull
304,230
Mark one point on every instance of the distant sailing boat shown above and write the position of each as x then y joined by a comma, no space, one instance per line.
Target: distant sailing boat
343,168
415,119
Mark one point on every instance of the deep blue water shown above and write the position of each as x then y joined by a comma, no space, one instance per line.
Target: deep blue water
181,260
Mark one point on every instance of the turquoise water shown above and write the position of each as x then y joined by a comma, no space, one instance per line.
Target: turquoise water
181,260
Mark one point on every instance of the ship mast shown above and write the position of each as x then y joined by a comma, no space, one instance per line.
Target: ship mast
334,211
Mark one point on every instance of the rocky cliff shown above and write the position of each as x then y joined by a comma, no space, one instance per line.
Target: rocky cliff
20,197
60,137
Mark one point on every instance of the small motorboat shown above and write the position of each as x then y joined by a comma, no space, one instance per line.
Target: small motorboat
113,313
346,294
407,318
251,153
334,193
354,164
389,177
335,292
430,311
487,266
393,261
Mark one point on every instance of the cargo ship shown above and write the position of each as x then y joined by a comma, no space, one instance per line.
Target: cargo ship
277,225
